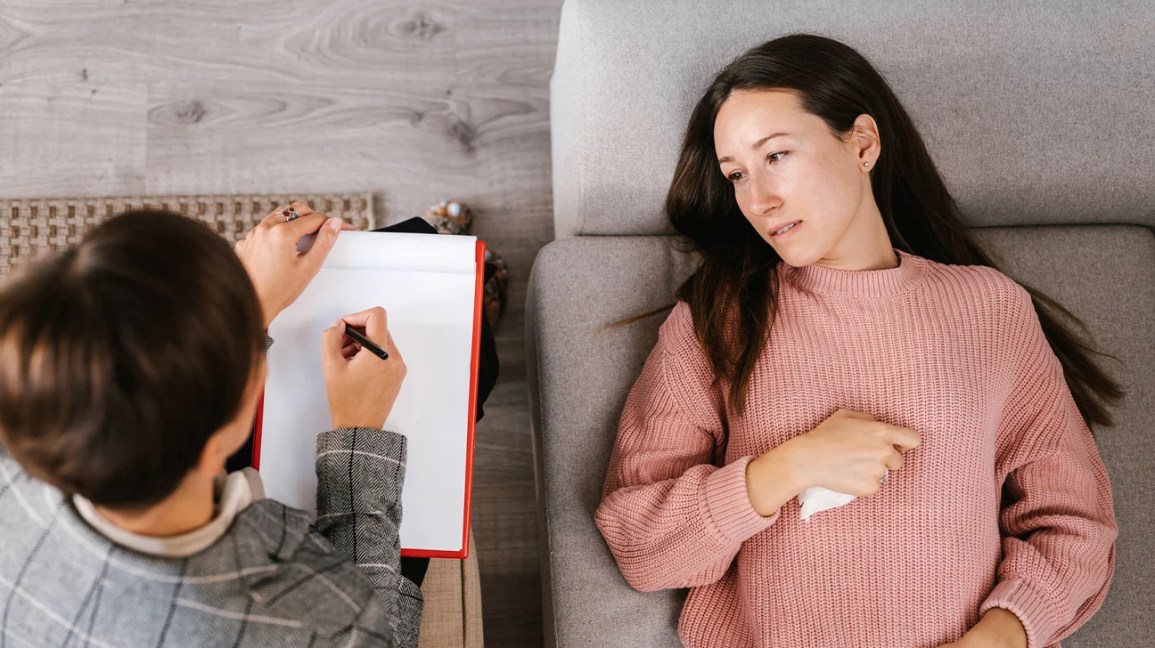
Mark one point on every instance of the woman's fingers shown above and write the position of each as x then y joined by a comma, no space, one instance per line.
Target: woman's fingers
855,415
904,439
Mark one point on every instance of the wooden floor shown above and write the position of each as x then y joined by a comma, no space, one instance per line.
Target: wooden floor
413,100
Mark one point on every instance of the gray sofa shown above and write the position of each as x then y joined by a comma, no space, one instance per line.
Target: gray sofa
1040,117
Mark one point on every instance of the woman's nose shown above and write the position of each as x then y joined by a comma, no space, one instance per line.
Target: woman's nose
764,194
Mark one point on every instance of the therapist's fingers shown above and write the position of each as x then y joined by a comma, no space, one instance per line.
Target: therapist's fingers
377,327
301,207
278,216
326,236
375,323
271,219
360,319
303,226
332,345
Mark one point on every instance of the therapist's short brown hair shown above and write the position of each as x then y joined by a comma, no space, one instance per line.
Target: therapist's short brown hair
121,356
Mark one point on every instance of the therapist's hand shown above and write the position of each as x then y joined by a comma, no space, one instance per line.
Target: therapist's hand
278,270
361,386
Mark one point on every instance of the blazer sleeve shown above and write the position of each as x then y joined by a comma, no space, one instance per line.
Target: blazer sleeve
360,472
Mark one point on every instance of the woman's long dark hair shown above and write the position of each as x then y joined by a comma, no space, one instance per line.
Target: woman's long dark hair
729,293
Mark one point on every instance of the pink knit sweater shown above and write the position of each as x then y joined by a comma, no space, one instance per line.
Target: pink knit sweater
1006,503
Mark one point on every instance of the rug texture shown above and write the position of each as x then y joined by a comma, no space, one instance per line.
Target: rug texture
32,226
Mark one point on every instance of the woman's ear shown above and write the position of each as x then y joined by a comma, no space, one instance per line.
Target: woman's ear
864,141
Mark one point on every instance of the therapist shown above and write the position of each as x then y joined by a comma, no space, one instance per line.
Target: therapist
130,369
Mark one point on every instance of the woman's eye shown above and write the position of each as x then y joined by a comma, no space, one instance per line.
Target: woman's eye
776,157
735,176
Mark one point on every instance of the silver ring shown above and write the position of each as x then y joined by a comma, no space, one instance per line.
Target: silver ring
885,477
290,214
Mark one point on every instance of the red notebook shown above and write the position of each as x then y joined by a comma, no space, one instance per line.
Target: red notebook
432,289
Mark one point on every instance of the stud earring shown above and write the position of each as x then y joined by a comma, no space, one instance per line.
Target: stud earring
866,164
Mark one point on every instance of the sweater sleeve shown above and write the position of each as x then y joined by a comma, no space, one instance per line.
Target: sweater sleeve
360,472
671,516
1057,518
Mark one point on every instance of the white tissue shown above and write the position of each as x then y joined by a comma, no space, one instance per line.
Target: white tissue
818,499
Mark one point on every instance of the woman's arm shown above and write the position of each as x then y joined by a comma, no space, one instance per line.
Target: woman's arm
671,517
1057,517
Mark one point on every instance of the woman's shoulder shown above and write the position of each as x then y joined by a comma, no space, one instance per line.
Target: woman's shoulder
976,282
678,342
679,362
676,334
679,323
676,330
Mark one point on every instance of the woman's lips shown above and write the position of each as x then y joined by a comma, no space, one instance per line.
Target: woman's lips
787,234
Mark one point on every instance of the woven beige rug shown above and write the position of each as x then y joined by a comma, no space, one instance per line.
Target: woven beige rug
31,226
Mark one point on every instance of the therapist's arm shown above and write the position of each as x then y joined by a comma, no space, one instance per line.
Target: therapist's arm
361,467
360,474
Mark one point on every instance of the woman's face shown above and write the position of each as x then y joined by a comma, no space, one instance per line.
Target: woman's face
787,167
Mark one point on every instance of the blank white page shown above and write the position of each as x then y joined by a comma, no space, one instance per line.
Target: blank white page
427,285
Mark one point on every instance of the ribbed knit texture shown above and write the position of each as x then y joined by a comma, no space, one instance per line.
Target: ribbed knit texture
1006,503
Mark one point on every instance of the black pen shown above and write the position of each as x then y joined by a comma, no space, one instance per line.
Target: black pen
365,342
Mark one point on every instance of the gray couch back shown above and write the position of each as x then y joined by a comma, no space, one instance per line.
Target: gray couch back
1039,117
1036,112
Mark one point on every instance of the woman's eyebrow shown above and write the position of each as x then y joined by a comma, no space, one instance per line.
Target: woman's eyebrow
754,147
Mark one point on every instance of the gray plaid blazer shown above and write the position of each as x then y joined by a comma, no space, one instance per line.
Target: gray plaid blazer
276,578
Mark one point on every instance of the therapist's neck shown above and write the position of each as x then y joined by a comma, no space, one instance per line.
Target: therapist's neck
192,505
188,508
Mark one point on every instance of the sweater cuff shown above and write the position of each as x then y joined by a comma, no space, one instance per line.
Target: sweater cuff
1017,597
731,515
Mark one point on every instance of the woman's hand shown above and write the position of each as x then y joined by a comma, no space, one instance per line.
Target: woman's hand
850,452
278,269
361,386
998,628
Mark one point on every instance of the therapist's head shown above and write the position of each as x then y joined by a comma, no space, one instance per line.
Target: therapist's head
122,358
